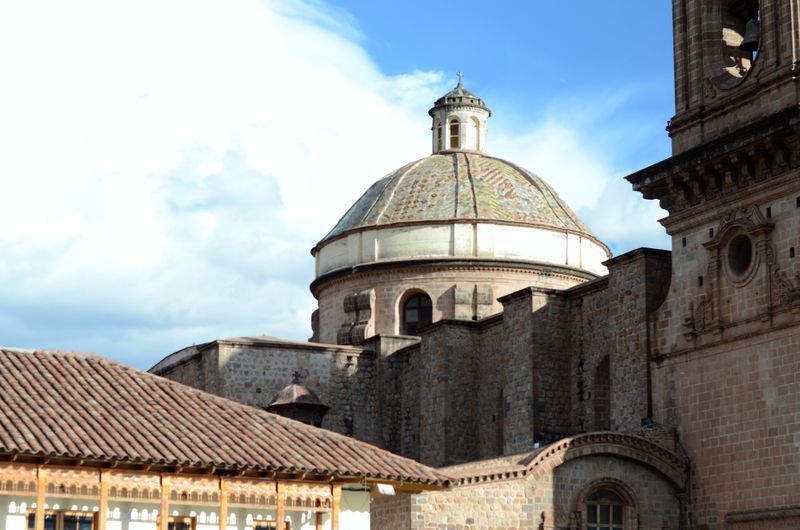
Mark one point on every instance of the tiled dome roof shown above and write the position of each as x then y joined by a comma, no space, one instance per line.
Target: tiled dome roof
459,186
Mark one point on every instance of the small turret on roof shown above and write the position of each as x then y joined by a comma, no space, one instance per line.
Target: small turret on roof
299,403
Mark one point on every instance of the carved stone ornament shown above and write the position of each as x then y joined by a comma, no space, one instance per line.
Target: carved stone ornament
702,315
749,222
785,291
749,219
358,324
575,520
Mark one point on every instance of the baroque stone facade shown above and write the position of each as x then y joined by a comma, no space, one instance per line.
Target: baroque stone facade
666,388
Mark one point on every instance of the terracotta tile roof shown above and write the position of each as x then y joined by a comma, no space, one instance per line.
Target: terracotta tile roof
493,466
59,404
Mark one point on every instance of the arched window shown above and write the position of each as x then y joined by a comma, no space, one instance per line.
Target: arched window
741,39
604,511
417,313
476,128
454,142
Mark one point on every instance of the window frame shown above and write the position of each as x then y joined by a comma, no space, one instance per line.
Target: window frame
589,504
180,519
418,324
60,515
455,139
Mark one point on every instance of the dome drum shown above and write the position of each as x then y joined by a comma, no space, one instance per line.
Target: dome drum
459,290
463,240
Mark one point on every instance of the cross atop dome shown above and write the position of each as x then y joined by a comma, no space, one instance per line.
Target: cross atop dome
459,120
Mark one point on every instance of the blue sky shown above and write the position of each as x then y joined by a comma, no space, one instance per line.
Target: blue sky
167,166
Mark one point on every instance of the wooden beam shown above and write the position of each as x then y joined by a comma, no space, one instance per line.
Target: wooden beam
280,514
163,521
336,491
223,504
105,483
319,521
41,489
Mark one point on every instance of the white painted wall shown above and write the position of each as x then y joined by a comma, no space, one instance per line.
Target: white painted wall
471,132
464,240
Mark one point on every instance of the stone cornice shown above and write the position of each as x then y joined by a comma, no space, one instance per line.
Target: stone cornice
638,253
746,93
725,166
467,220
183,357
668,463
450,264
529,291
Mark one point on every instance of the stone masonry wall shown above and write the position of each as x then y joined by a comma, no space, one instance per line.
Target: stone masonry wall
736,409
189,370
726,370
341,377
551,375
590,343
456,293
447,383
474,390
253,370
551,500
492,403
614,322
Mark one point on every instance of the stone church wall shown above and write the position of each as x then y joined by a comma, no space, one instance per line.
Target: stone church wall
735,407
529,375
610,324
549,499
468,389
726,359
188,369
447,384
491,410
254,370
456,293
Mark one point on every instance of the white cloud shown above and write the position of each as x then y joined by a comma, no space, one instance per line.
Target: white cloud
166,166
577,148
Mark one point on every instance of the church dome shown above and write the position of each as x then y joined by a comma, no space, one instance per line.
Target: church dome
461,204
461,186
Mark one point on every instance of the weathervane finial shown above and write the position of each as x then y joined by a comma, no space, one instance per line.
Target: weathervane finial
460,75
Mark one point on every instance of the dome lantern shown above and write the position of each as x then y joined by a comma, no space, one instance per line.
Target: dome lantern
459,121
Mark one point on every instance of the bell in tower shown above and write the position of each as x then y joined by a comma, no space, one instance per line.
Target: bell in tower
752,36
735,62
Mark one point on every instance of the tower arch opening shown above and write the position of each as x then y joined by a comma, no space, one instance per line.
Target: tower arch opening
455,136
737,24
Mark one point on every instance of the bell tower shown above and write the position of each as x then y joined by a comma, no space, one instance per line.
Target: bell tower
735,62
728,333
